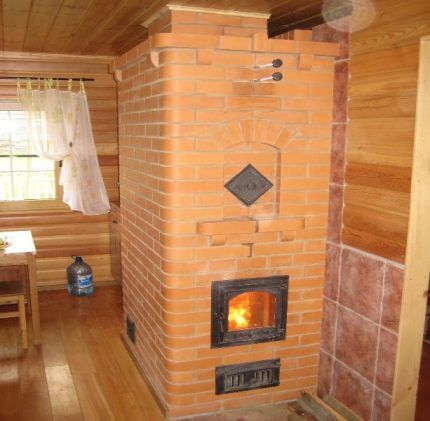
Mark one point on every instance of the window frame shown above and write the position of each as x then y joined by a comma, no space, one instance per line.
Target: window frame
33,204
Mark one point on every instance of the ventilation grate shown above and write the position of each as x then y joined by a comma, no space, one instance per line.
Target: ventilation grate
240,377
131,329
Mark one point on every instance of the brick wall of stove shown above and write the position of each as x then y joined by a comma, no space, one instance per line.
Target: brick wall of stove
190,118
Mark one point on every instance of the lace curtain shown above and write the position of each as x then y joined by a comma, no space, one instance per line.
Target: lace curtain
59,128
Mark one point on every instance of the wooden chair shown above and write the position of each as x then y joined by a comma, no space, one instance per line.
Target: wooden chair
16,273
12,292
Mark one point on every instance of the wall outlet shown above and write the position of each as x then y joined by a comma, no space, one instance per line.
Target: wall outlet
131,329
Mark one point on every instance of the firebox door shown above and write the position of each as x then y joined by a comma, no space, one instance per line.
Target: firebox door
248,311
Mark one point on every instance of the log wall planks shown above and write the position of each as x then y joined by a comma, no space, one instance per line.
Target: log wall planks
60,233
382,90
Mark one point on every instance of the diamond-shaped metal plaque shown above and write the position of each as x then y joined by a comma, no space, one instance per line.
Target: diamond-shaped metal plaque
248,185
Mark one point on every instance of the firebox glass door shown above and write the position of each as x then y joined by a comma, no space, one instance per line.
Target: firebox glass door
251,310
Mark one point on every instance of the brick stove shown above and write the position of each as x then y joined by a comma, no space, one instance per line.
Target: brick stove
192,117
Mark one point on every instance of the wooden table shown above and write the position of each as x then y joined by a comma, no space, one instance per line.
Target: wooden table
21,251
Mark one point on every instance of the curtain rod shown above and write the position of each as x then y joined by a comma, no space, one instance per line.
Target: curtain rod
77,79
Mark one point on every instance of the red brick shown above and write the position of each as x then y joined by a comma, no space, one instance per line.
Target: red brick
196,29
300,35
251,263
235,43
184,40
221,227
309,258
283,46
240,31
178,16
192,72
223,265
260,41
320,48
298,307
205,56
267,249
280,224
255,22
306,61
219,252
253,102
224,58
215,87
177,56
195,101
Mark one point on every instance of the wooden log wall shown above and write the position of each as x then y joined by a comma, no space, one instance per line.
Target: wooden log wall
59,232
382,90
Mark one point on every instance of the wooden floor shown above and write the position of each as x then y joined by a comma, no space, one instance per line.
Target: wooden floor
422,412
82,370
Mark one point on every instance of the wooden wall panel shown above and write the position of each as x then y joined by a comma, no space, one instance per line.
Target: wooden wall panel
61,233
382,90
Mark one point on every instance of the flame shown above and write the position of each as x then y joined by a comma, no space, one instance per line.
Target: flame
238,317
251,310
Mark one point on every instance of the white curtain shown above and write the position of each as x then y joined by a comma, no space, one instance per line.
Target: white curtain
59,128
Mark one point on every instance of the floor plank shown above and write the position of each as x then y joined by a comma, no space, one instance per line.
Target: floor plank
135,382
64,400
81,371
34,387
95,405
10,408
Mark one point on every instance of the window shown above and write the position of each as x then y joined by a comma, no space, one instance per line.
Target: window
23,175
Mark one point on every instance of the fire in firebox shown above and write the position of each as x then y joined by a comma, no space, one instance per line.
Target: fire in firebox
251,310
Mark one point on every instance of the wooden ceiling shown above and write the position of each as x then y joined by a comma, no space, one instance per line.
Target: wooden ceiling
111,27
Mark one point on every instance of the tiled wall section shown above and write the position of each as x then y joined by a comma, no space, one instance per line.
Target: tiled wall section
362,297
362,292
187,104
340,119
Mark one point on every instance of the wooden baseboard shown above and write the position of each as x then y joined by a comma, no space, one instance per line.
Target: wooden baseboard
129,346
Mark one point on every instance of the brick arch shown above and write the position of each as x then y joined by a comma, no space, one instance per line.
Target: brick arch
230,133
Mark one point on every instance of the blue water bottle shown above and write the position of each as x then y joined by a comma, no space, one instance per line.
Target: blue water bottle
79,278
